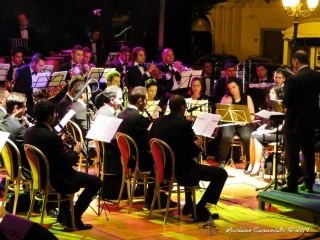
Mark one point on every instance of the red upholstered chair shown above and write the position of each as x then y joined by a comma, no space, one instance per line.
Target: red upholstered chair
131,176
159,151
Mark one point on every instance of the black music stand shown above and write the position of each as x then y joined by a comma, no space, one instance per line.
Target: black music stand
277,118
234,114
23,43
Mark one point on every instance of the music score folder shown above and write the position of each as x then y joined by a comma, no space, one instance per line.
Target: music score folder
205,124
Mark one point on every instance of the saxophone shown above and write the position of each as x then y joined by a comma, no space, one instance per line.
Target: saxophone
125,97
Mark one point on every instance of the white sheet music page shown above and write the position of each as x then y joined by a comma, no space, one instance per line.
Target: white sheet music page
205,124
64,120
3,139
104,128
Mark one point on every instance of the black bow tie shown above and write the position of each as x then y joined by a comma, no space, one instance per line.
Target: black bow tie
21,29
169,65
207,77
34,73
14,66
139,65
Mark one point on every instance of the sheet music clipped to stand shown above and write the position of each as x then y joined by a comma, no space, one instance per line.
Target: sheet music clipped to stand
151,107
104,128
205,124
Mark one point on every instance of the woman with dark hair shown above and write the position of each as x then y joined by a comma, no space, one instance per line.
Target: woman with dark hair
152,87
195,91
235,95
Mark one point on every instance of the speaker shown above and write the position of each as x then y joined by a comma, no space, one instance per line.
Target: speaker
14,227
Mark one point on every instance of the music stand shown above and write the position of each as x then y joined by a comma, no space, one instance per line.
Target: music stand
186,77
203,106
151,107
57,79
234,114
41,80
277,118
48,68
103,129
20,43
4,68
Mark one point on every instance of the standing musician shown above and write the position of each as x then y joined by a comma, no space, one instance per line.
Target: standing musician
178,134
16,62
76,61
235,95
122,60
137,72
169,66
25,75
152,88
208,79
63,177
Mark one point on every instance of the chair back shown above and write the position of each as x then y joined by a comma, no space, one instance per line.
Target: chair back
75,131
159,151
100,148
124,143
11,159
36,159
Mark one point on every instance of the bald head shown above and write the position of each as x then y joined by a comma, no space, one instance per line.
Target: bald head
177,105
168,56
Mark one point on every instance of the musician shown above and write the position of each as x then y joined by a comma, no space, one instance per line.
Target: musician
16,55
266,133
208,78
81,117
300,122
4,93
235,95
219,89
95,44
76,59
178,134
63,177
136,126
67,99
152,88
170,86
137,72
195,92
25,75
112,79
122,60
261,72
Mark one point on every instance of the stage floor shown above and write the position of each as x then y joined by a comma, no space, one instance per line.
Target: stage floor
237,207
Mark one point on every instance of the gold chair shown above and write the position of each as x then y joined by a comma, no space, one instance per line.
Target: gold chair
158,149
235,142
128,176
14,179
36,158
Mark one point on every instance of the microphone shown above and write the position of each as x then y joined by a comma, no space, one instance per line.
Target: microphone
97,12
120,34
196,107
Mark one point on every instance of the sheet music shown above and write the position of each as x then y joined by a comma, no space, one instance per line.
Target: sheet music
48,68
266,114
3,139
187,76
41,80
151,107
205,124
57,78
104,128
99,73
64,120
4,68
260,85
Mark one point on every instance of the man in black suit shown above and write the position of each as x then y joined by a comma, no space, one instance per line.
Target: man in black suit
137,72
220,87
302,100
95,44
3,99
67,99
81,116
208,79
178,134
261,72
63,177
76,59
122,60
25,75
16,62
170,85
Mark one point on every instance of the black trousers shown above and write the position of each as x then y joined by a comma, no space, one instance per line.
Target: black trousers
217,178
294,142
91,185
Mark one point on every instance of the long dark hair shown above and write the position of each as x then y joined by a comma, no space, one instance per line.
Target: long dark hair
193,80
237,81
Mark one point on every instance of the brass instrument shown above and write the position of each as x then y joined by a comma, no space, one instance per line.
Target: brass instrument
27,121
125,97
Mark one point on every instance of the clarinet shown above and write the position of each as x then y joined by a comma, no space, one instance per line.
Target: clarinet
149,115
73,142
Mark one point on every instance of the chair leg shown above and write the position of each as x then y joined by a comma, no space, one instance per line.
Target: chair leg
44,206
134,184
72,211
33,195
121,189
5,195
168,204
194,202
155,196
16,193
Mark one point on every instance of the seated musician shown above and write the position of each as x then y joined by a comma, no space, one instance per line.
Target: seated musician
178,134
152,88
63,177
76,60
4,93
112,79
235,95
265,134
279,78
195,91
16,55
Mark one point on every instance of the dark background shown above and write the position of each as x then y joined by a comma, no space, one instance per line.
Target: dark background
61,24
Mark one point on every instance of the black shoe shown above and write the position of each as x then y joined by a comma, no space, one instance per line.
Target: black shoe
53,213
203,215
187,210
78,224
246,168
138,192
221,165
306,187
289,189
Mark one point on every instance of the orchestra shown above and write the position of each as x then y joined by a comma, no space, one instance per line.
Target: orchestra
157,82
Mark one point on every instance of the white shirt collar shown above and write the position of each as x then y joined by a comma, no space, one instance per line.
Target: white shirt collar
3,110
303,67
